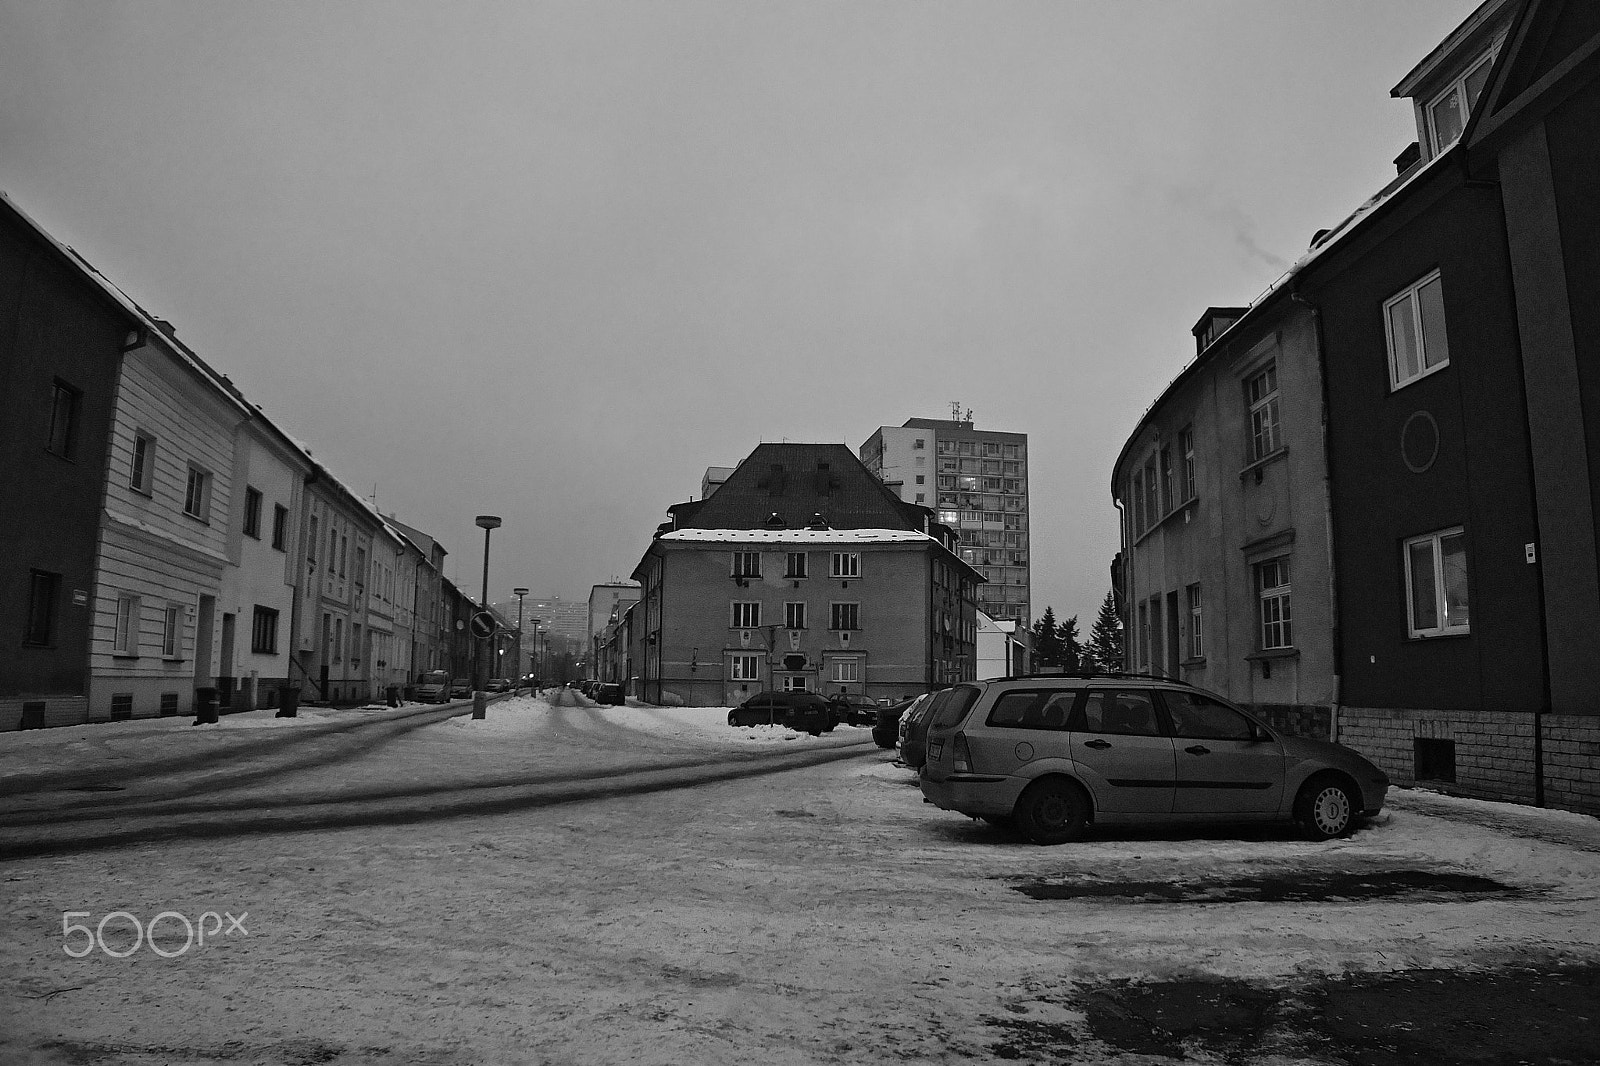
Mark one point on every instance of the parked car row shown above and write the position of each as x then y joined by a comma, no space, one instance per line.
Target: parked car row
1051,755
607,692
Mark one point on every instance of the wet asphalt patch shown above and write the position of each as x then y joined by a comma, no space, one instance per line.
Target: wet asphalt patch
1529,1017
1299,887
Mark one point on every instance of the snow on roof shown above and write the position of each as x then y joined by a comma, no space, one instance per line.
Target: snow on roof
799,536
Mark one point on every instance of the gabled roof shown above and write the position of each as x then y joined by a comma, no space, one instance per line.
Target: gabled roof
1552,48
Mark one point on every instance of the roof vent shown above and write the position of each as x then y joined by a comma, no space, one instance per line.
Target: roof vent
1319,236
774,521
1408,158
818,522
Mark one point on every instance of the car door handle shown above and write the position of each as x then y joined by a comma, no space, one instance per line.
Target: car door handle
1097,743
1198,749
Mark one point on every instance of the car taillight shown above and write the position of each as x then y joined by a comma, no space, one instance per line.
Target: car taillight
961,754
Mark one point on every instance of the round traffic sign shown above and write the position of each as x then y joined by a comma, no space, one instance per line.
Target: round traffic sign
483,624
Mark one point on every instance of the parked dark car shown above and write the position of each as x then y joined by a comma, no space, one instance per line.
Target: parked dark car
610,692
886,724
914,729
461,689
805,712
497,684
854,708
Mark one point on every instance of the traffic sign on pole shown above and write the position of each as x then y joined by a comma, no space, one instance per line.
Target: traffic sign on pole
483,624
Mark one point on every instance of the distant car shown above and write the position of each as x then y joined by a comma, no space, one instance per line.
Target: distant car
854,708
1052,754
461,689
432,687
805,712
886,724
497,684
610,692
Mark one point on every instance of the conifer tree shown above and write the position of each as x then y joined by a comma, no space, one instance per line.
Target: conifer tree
1105,638
1072,653
1047,650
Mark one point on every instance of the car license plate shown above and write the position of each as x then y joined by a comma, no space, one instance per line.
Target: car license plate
934,749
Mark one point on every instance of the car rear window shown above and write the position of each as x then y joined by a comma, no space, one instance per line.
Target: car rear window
1034,709
952,706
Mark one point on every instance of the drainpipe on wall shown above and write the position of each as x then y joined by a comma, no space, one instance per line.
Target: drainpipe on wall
1128,636
1327,515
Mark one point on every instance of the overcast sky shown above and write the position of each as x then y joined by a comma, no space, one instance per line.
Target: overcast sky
552,260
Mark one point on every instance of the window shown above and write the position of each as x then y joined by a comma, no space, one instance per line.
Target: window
795,564
311,543
1414,321
1261,392
264,631
1136,494
64,400
1186,446
44,588
333,551
344,553
1143,648
125,640
847,669
918,444
141,472
1027,709
794,616
280,525
844,616
922,497
1128,713
1436,584
252,512
1167,500
746,564
745,615
1152,493
171,631
1448,113
846,564
744,667
922,479
1272,588
1194,715
197,497
338,640
355,644
1197,644
361,568
794,683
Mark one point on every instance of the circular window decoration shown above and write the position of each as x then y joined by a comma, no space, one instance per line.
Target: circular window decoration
1419,442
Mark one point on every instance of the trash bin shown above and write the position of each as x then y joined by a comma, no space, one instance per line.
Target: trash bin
205,705
393,692
288,701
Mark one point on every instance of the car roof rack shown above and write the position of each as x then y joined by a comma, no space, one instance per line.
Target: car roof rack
1081,675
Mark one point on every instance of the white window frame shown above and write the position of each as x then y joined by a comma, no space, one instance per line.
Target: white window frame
172,631
1275,604
1457,88
845,564
1266,426
847,670
197,501
1412,294
1197,642
744,666
1441,605
1186,445
791,570
744,614
794,610
745,564
834,612
125,636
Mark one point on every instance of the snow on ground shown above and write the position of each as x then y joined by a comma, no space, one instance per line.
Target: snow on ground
820,915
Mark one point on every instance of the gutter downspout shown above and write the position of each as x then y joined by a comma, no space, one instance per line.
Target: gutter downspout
1327,514
1129,638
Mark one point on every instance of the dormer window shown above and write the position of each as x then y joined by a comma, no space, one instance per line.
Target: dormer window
1448,112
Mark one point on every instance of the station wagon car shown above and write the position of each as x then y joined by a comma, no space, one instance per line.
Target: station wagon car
1053,754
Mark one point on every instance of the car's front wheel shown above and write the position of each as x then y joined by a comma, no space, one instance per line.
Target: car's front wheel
733,718
1052,811
1325,808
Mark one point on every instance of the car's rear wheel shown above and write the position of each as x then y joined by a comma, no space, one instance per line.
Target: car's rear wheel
1325,808
1052,811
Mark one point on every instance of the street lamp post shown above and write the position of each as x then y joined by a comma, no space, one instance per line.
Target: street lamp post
533,660
516,684
480,701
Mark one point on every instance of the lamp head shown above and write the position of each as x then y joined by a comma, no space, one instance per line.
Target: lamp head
488,521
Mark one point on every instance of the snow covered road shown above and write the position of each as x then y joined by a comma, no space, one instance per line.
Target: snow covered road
822,914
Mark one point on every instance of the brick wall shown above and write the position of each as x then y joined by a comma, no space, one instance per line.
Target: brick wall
1494,752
